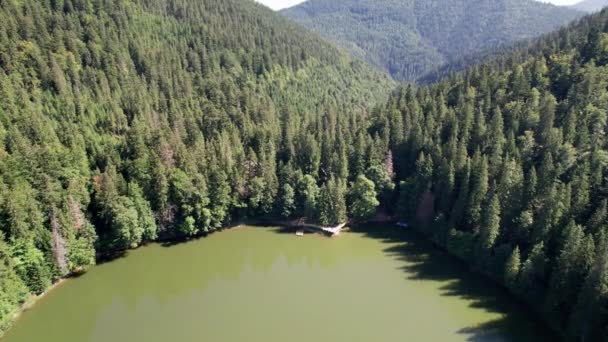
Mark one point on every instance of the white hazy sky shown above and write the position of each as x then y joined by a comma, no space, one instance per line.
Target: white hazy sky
280,4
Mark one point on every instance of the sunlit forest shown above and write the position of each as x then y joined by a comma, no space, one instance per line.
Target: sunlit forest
132,121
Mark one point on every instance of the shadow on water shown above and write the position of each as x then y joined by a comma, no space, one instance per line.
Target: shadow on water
424,261
280,229
172,241
111,256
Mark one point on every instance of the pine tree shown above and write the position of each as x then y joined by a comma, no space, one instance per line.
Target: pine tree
532,274
512,269
496,141
547,118
460,206
490,227
588,317
597,221
478,191
307,196
332,202
572,267
287,204
13,290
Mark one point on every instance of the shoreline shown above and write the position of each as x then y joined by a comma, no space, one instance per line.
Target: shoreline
33,300
30,301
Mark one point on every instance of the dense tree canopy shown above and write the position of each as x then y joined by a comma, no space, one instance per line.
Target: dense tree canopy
506,167
123,122
126,121
411,38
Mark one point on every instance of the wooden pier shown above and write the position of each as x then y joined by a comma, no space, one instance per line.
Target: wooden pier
331,231
300,227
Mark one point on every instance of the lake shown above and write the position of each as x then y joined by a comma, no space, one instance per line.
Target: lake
266,284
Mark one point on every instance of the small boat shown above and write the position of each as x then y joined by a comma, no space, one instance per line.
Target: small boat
300,233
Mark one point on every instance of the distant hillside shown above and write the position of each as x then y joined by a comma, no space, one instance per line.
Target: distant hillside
412,38
591,5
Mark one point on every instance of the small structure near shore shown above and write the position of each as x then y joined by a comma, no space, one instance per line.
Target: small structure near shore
334,231
302,227
331,231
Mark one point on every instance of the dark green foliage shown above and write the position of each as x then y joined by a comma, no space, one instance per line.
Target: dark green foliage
490,225
514,153
307,196
512,269
287,204
331,203
589,318
363,202
81,254
533,275
31,266
126,121
124,224
410,39
13,291
461,244
382,177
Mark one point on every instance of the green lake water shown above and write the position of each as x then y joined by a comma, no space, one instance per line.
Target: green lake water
265,284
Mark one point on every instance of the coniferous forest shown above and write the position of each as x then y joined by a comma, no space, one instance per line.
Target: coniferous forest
124,122
505,167
411,39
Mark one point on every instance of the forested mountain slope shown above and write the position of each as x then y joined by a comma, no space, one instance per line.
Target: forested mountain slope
410,38
590,5
506,167
124,121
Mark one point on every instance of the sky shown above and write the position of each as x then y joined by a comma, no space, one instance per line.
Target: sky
280,4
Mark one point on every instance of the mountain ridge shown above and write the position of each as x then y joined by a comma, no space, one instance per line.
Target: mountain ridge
590,5
411,38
